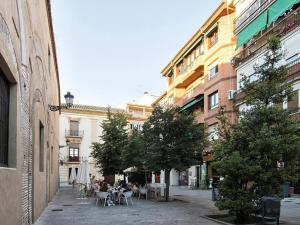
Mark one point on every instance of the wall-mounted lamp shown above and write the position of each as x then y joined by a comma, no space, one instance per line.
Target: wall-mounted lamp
69,103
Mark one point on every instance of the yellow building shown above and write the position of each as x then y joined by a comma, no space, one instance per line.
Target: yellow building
200,76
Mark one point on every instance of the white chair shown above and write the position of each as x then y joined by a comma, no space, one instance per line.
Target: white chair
143,191
102,196
126,196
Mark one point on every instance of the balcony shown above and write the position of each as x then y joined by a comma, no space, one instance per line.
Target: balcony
74,133
73,158
293,69
250,13
295,115
259,42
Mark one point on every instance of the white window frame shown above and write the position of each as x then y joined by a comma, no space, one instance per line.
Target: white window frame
211,67
213,100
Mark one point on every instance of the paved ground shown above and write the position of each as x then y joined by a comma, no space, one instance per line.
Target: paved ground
85,212
290,207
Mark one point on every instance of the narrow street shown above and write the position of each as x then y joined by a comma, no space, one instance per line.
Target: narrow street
67,209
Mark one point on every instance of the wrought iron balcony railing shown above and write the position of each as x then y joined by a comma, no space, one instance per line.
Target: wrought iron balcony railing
258,43
73,158
248,14
74,133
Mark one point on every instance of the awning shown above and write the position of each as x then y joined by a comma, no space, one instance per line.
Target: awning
278,8
252,29
191,103
189,50
212,28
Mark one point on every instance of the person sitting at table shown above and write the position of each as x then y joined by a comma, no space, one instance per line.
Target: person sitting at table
104,187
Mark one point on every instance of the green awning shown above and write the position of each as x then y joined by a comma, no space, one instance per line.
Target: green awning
252,29
191,103
197,42
212,28
278,8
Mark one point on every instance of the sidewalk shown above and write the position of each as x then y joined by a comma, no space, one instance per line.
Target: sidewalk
290,207
67,209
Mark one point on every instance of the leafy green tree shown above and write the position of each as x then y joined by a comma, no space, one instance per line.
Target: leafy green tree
133,154
246,154
113,140
173,140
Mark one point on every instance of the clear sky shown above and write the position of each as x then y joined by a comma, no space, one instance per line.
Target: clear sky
111,51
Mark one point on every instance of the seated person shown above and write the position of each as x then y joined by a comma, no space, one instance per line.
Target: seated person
104,187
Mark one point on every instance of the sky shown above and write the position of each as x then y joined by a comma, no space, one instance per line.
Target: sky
111,51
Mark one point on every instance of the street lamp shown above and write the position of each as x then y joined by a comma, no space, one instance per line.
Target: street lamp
69,103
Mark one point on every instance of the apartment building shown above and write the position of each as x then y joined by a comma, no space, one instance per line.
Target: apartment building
138,112
255,22
29,83
200,79
80,126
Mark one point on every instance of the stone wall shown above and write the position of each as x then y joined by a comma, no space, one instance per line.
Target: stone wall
28,61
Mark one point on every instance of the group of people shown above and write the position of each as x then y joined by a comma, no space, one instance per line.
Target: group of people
115,191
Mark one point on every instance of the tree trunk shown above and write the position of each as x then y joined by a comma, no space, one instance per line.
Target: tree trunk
167,180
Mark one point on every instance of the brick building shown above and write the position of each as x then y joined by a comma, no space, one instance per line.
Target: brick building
29,82
200,79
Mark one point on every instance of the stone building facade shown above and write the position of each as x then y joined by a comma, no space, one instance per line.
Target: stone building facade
29,82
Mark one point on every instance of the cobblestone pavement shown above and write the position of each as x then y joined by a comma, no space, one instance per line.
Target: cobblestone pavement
85,212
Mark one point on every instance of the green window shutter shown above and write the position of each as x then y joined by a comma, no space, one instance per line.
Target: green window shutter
252,29
278,8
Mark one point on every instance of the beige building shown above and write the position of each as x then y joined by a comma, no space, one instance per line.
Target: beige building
29,82
80,125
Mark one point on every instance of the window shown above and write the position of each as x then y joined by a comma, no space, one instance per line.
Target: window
213,132
293,102
192,58
213,71
4,119
74,128
212,38
202,49
190,93
197,52
74,152
51,160
41,145
213,100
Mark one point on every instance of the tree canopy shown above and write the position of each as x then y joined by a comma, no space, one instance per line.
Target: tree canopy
172,139
246,154
113,140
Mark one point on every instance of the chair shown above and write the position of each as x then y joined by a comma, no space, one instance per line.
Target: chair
102,196
143,191
126,196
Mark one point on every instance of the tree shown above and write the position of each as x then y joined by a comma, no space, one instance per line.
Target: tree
133,154
113,140
246,154
173,140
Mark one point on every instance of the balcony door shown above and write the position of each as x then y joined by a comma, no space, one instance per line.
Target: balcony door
74,152
74,128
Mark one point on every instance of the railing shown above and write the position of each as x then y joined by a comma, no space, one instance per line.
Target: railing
73,158
191,66
280,28
293,68
250,13
295,115
74,133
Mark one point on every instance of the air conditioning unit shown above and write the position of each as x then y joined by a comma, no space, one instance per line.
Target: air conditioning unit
231,94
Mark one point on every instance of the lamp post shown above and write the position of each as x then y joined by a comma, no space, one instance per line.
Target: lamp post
69,103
